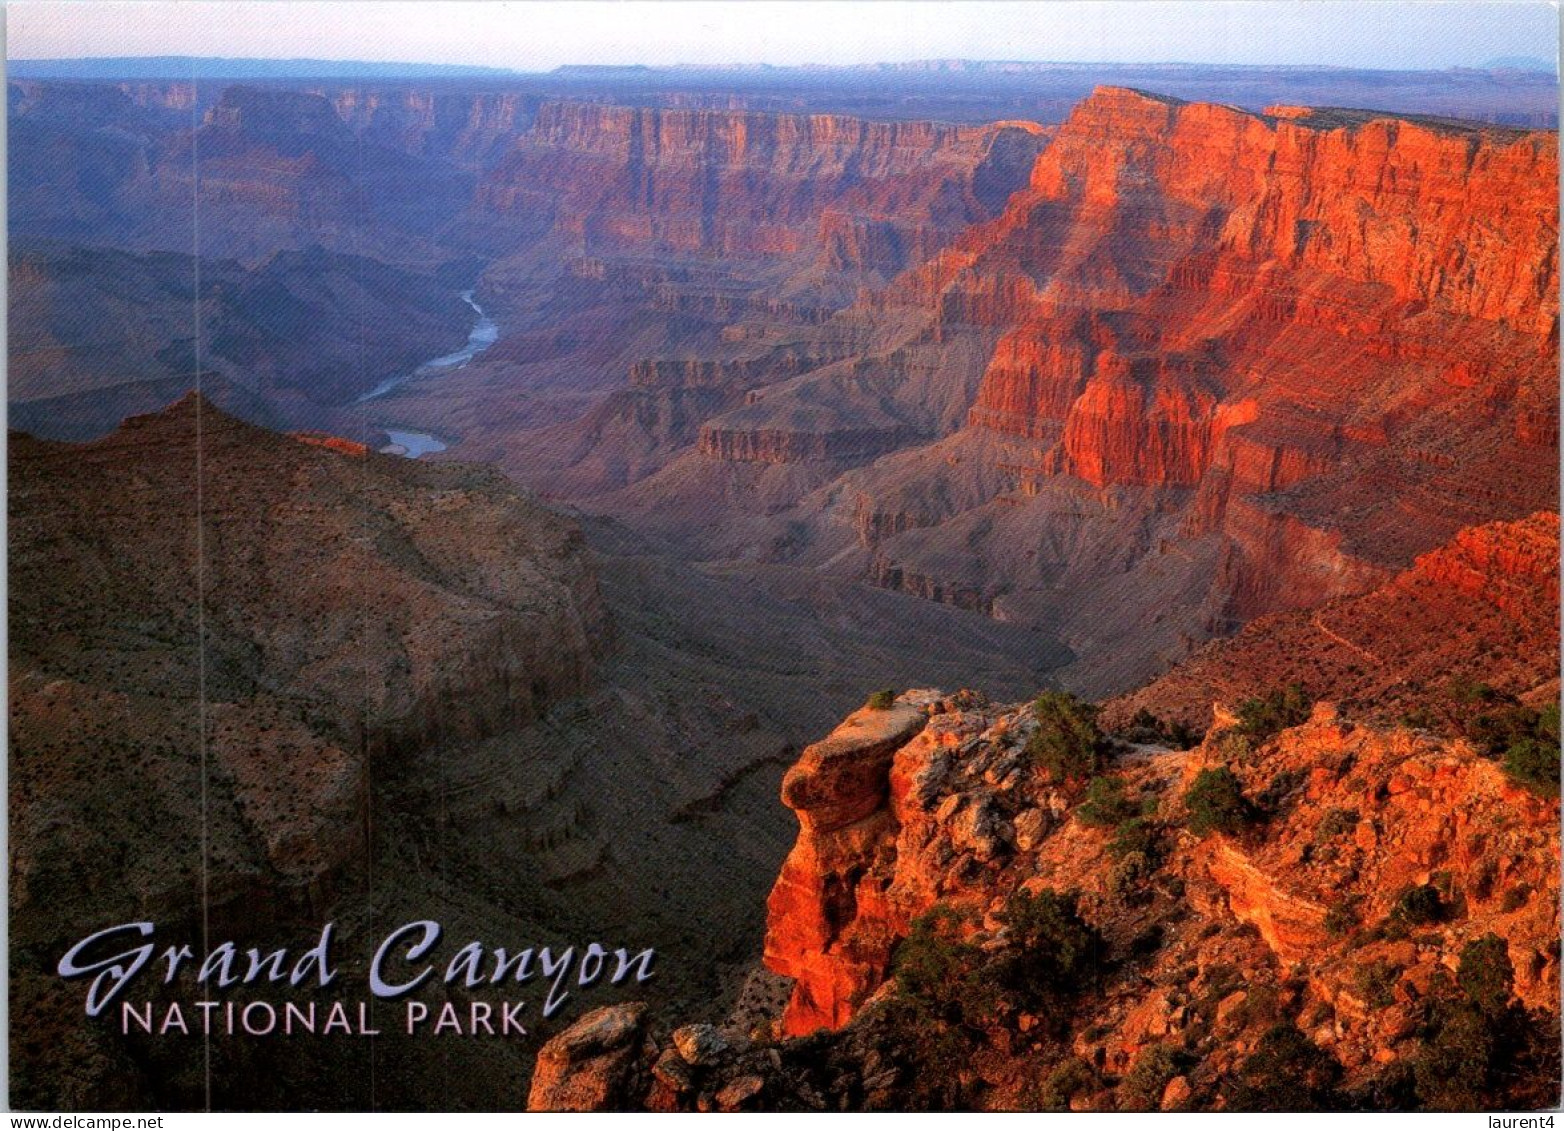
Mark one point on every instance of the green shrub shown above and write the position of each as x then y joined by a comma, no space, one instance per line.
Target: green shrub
1337,822
1067,744
882,700
1481,1049
1215,803
1234,747
1136,836
1486,975
1264,716
1106,804
1534,763
1129,873
1493,731
1148,1076
945,996
1376,983
941,973
1417,906
1287,1072
1468,691
1453,1070
1068,1079
1525,741
1051,951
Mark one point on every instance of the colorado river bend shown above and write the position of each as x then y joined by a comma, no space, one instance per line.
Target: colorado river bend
485,332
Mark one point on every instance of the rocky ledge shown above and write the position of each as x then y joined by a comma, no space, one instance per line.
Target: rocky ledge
1364,869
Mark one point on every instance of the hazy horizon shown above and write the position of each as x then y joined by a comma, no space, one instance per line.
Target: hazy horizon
540,37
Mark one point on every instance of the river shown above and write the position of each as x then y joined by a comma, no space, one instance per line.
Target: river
485,332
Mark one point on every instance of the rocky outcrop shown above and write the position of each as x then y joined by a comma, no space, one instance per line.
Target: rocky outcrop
1424,813
1292,927
250,597
585,1067
840,789
1512,567
1203,945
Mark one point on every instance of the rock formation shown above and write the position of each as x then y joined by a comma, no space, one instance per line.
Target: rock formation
287,343
860,194
1482,610
1292,921
112,568
1367,868
1238,362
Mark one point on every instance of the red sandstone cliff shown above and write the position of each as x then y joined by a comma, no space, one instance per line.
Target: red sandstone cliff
875,194
1259,264
1300,349
1392,649
957,814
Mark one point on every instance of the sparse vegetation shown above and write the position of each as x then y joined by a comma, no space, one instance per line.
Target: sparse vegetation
1106,804
943,974
949,992
1143,1085
882,700
1481,1048
1525,741
1215,802
944,997
1263,717
1234,747
1134,837
1287,1072
1454,1066
1068,1079
1052,951
1416,907
1067,744
1376,983
1470,692
1486,974
1129,873
1337,822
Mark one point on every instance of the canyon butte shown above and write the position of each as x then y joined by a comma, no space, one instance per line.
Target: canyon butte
1211,441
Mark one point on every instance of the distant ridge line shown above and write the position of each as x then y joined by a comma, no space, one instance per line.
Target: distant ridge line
188,66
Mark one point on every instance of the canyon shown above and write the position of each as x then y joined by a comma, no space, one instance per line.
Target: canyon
1162,393
405,684
1201,946
803,385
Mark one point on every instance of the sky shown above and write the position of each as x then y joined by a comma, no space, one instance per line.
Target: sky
534,36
